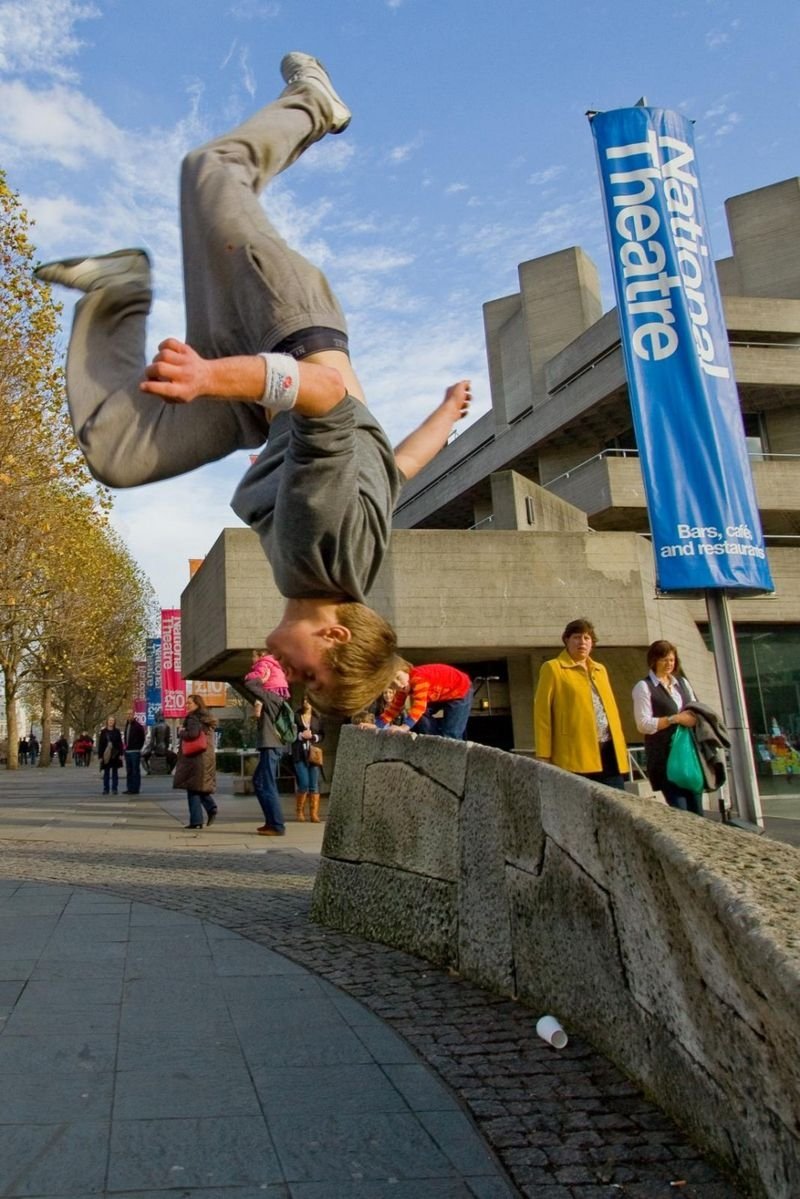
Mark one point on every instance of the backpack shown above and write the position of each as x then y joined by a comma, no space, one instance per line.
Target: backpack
284,723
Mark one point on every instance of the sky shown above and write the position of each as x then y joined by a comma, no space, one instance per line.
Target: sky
469,152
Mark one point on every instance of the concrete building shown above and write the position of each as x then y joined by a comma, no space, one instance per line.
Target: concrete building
536,514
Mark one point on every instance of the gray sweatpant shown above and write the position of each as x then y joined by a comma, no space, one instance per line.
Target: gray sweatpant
245,290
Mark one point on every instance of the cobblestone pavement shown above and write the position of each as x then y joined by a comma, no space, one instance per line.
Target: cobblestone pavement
565,1125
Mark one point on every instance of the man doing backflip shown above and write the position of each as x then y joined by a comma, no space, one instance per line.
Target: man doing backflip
265,358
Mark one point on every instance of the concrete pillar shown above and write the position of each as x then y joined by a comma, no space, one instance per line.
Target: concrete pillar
765,234
520,689
508,359
519,503
560,300
783,430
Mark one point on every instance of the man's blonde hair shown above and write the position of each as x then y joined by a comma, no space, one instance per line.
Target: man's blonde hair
363,666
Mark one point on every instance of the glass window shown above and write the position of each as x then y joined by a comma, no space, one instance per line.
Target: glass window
754,436
770,660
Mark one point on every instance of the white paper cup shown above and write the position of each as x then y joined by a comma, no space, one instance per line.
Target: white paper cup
551,1031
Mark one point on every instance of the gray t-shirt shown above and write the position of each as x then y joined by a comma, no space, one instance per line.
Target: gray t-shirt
321,496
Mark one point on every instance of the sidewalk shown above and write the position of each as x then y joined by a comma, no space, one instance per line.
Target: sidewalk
175,1026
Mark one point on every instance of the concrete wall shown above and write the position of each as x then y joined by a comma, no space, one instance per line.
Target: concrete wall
763,226
667,942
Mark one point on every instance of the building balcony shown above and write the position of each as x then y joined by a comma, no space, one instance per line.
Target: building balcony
609,489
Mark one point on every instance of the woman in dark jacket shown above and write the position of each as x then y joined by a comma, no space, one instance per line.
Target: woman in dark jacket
306,772
196,774
110,736
658,708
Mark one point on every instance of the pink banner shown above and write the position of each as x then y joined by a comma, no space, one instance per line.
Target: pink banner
140,691
173,687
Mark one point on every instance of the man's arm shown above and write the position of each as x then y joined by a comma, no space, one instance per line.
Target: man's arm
180,375
416,450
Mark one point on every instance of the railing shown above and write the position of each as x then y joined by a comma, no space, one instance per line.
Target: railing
754,455
588,367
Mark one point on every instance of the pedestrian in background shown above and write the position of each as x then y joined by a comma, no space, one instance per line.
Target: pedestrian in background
196,773
109,753
576,721
270,751
307,761
62,749
658,703
133,736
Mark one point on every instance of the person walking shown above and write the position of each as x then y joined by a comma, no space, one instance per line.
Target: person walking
134,736
62,750
196,768
659,701
270,751
109,755
307,761
576,721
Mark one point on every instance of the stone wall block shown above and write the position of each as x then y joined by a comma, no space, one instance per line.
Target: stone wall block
565,948
417,830
438,758
698,957
571,810
395,908
342,837
499,817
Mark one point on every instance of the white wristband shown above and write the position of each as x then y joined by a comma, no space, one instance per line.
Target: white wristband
281,382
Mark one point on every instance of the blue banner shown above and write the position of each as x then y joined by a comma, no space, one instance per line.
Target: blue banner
153,677
686,414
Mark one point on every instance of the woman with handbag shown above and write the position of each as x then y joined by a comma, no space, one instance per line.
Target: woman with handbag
307,760
658,703
196,769
109,753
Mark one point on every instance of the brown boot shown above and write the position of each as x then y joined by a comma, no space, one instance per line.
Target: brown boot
313,804
300,805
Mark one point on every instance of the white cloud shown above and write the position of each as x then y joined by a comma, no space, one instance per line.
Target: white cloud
547,175
37,35
374,261
254,10
332,155
403,152
58,124
163,530
453,188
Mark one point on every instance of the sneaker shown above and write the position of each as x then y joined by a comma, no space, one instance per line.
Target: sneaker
270,832
298,68
87,274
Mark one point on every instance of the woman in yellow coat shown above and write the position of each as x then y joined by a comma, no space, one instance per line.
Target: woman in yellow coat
576,722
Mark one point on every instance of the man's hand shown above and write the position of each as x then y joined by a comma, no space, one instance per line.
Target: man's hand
457,399
177,373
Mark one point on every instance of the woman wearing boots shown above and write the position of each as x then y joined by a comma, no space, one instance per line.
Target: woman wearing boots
307,761
196,771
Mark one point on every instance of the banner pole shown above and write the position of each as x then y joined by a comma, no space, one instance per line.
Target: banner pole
734,712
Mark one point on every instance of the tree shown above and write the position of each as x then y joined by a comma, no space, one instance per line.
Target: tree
94,609
73,605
